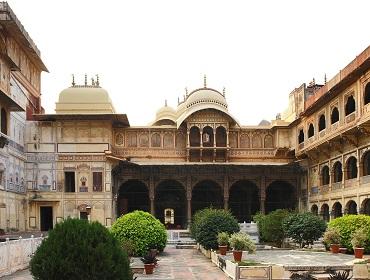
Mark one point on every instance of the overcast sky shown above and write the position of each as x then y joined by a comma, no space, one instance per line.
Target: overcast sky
149,51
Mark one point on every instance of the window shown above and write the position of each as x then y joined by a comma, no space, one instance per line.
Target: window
367,93
322,122
311,130
97,181
351,168
334,115
350,105
325,177
4,121
300,136
338,175
69,182
366,164
83,215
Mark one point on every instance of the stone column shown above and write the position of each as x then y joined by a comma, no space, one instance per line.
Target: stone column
151,195
188,199
263,195
226,192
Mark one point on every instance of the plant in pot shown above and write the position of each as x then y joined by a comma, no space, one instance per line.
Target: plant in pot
332,239
223,242
149,262
241,242
358,241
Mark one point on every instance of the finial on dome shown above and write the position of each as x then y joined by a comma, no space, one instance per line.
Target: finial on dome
325,79
224,91
186,91
73,80
85,79
165,103
178,100
97,80
205,80
92,82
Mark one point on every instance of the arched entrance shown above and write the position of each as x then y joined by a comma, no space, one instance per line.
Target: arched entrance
366,206
351,208
205,194
244,200
315,210
325,212
279,195
132,195
337,210
170,204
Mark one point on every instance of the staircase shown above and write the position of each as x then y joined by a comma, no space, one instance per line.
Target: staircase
180,238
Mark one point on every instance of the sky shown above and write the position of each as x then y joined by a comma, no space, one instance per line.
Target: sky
147,51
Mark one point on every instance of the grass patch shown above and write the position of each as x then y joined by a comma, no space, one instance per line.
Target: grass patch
249,263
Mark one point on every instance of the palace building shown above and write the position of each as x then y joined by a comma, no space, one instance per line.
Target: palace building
87,161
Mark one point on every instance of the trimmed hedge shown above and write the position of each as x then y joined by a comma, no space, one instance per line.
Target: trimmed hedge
76,249
196,221
347,225
303,228
209,223
142,229
270,226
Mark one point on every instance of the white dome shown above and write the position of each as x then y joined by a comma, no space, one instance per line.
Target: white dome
165,113
206,96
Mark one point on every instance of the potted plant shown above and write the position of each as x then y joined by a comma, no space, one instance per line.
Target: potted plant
241,242
223,242
359,238
149,263
332,239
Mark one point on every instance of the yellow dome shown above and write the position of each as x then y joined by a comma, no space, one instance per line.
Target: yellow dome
84,100
165,115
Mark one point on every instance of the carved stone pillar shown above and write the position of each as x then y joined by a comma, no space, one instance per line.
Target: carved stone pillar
188,138
214,138
263,195
201,138
151,195
188,198
226,192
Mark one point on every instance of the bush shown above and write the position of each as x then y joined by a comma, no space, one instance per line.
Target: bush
331,236
271,226
213,222
142,229
303,228
77,249
347,225
223,239
359,238
242,242
197,220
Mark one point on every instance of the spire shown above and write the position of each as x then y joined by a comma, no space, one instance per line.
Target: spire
97,80
205,80
186,91
325,79
85,79
165,103
178,100
92,81
224,91
73,80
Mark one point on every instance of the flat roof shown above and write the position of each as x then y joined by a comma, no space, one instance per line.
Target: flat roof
117,119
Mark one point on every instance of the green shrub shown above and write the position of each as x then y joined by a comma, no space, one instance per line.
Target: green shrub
214,222
347,225
142,229
77,249
303,228
223,238
240,241
196,220
271,226
331,236
359,238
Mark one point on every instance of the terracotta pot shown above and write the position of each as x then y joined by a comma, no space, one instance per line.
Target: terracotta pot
223,249
149,268
334,248
343,250
359,253
238,256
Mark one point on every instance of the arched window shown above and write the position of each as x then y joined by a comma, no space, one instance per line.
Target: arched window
367,94
338,174
4,121
300,136
366,164
311,130
334,115
350,105
322,122
325,175
194,137
351,168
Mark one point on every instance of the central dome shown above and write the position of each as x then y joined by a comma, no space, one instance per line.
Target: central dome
206,96
84,100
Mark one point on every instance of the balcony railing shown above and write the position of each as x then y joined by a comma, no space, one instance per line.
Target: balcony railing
336,186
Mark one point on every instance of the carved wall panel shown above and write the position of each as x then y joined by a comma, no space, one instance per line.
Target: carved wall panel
131,139
256,141
144,140
233,140
156,140
180,140
168,140
119,139
269,142
244,141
